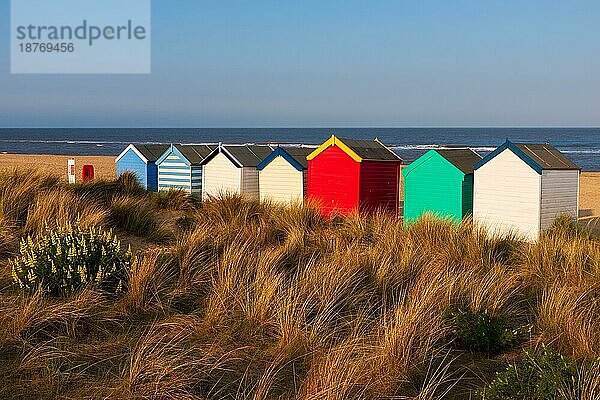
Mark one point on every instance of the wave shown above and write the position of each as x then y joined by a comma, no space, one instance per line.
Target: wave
94,142
100,143
482,148
590,151
437,147
571,149
310,146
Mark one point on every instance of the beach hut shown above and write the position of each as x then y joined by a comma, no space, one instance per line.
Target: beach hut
521,188
140,159
283,175
346,176
441,183
180,167
232,169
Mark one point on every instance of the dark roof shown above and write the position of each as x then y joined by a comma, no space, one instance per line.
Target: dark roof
249,155
546,156
299,154
538,156
152,152
296,156
195,154
370,150
463,159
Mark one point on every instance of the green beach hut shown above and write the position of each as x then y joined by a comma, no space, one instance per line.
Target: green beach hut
440,183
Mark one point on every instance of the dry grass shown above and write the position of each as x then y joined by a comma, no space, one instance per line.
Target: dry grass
236,299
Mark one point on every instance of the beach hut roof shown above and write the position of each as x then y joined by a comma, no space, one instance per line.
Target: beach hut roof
152,152
359,150
147,152
247,155
296,156
193,154
538,156
462,158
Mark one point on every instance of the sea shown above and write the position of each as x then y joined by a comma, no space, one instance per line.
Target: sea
582,145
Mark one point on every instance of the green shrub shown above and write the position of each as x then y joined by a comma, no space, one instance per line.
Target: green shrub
482,331
539,375
66,259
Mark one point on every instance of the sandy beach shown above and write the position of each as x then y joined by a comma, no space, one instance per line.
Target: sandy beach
589,194
105,169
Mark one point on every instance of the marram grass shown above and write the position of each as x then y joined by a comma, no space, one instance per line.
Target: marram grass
242,300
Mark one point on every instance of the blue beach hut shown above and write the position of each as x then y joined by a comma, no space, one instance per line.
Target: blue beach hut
180,167
140,159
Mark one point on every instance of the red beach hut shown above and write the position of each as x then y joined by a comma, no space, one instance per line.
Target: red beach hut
347,176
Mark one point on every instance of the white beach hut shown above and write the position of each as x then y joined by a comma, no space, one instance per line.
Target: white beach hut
522,188
283,175
232,169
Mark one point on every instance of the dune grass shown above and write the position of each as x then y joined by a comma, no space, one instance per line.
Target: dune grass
236,299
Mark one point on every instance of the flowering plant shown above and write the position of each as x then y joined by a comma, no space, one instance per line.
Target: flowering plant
66,259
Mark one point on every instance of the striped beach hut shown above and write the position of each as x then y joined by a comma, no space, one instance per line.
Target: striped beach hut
283,175
180,167
140,159
521,188
232,169
440,182
346,176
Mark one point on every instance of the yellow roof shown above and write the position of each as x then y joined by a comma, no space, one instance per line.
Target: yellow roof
334,141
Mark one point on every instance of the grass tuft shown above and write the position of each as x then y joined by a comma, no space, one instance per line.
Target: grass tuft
137,217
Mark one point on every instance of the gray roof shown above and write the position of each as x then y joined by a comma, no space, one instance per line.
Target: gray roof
249,155
195,154
152,152
463,159
371,150
299,154
546,156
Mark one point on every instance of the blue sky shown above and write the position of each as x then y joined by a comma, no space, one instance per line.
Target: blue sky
308,63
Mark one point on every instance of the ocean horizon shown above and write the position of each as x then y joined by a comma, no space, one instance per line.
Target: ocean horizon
582,145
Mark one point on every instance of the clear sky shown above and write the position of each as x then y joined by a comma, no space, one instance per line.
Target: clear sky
310,63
